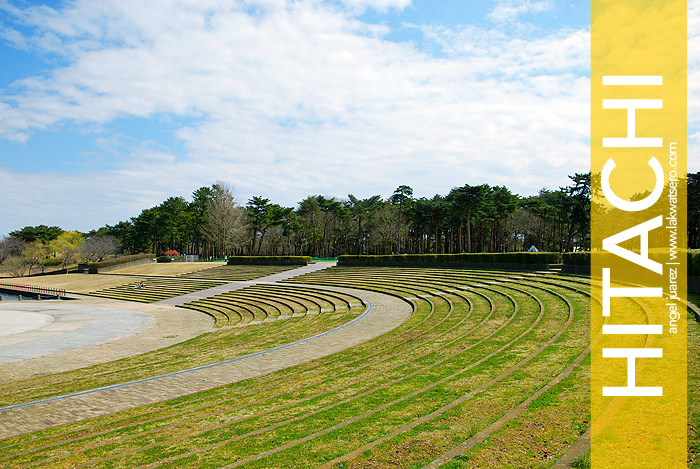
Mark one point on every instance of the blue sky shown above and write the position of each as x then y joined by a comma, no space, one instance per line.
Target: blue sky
107,108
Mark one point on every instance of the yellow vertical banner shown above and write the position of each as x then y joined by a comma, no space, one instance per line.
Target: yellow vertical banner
638,233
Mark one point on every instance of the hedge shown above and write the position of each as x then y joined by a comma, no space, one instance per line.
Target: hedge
269,260
120,260
576,258
53,261
512,258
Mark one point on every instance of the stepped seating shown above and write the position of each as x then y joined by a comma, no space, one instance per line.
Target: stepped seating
266,303
154,289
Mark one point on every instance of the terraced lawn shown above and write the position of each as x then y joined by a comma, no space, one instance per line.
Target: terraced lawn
693,385
266,303
492,354
151,289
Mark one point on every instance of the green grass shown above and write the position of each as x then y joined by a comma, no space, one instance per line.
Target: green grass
582,462
469,354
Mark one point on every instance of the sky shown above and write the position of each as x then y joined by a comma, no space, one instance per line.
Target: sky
110,107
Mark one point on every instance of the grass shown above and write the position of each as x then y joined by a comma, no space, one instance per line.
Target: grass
582,462
693,386
471,352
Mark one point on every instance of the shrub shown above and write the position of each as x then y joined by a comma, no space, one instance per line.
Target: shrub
53,261
522,258
576,258
120,260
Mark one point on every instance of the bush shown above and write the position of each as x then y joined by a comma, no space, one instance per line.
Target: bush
576,258
512,258
269,260
53,261
119,260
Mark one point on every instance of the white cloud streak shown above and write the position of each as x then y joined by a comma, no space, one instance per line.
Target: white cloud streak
510,10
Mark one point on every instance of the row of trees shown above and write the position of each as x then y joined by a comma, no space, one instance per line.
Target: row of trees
480,218
41,246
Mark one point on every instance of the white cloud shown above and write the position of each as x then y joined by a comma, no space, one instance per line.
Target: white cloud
379,5
511,10
294,99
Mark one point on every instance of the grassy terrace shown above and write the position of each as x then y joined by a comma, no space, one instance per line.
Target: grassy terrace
693,386
154,289
267,303
478,344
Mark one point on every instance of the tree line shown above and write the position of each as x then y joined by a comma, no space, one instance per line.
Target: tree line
480,218
469,218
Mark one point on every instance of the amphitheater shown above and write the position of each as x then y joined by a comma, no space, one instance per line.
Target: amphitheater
316,366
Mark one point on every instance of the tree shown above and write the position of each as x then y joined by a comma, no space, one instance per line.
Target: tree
173,213
201,198
96,248
401,195
258,217
363,210
68,246
225,219
504,203
16,266
9,247
464,201
308,215
331,211
147,229
578,206
41,232
35,253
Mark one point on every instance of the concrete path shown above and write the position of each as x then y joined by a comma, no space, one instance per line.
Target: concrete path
171,326
16,322
65,325
233,286
386,313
